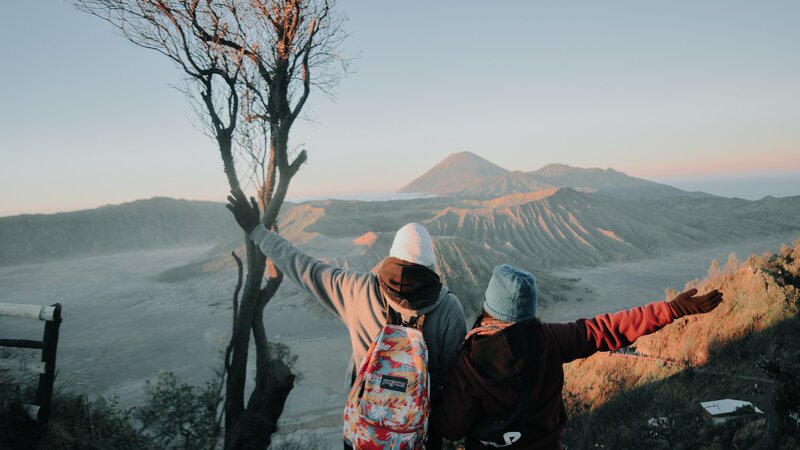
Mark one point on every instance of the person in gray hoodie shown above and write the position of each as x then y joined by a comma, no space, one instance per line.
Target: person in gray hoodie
406,282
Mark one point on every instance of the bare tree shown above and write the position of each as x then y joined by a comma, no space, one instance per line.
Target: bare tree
249,67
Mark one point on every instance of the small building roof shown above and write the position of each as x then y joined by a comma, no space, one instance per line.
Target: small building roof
727,406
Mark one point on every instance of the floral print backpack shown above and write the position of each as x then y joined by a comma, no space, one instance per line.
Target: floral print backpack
389,403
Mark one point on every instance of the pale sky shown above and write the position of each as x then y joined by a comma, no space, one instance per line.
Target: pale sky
668,91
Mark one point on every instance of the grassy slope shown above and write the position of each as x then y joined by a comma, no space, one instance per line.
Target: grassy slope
612,397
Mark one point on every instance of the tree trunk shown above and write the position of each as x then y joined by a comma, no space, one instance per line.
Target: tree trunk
240,340
252,427
266,405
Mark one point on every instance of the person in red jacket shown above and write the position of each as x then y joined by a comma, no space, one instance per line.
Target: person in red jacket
504,387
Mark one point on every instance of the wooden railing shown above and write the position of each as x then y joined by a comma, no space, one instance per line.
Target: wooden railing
51,315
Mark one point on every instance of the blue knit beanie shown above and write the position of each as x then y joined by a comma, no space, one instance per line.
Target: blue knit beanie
511,295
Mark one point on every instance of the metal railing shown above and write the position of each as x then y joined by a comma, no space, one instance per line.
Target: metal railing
39,410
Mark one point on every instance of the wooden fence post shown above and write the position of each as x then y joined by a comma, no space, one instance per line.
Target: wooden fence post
44,394
40,410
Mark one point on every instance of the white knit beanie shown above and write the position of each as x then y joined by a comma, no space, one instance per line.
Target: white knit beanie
412,243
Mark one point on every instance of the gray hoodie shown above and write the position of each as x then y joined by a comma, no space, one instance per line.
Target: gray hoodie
355,298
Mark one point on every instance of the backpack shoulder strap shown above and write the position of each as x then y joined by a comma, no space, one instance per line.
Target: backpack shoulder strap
419,322
394,318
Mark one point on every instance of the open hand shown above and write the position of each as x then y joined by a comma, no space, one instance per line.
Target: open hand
246,214
687,303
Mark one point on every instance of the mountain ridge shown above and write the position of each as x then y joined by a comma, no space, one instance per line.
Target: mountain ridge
140,224
466,174
546,230
609,182
446,174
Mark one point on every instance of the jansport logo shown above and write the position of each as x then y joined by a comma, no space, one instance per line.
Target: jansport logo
394,383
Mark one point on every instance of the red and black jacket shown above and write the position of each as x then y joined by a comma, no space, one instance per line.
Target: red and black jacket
504,387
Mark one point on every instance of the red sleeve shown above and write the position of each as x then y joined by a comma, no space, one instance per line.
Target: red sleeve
610,331
456,412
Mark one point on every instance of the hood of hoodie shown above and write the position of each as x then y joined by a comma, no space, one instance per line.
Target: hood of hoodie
502,353
411,289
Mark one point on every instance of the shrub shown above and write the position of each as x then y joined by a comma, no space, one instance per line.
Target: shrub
178,414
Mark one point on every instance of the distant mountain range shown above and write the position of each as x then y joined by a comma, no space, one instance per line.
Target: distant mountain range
466,174
142,224
483,215
540,230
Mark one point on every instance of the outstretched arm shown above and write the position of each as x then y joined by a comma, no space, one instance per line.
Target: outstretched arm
613,331
333,287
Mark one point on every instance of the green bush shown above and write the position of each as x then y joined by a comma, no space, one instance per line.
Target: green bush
180,415
75,422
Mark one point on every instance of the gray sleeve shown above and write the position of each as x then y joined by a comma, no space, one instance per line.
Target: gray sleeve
455,328
335,288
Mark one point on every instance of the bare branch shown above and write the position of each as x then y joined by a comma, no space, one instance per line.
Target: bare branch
239,277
